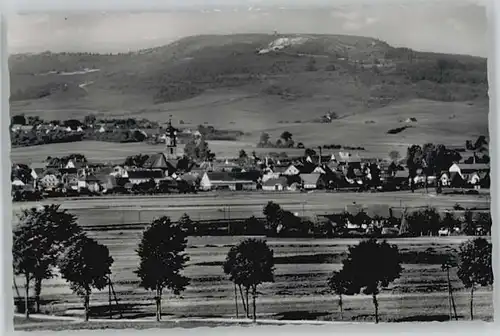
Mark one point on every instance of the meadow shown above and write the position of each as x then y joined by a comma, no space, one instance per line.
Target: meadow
299,290
437,122
226,205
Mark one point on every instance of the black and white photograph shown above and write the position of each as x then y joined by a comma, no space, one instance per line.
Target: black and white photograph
250,165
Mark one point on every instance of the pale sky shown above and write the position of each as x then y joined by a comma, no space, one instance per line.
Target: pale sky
451,27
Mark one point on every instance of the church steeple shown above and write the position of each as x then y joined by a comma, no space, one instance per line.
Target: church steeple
171,140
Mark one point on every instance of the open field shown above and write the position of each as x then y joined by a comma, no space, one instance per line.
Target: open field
135,209
299,289
433,125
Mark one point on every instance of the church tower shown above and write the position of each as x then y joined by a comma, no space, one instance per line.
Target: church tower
171,141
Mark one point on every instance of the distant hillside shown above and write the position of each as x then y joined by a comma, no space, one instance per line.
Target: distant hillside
346,73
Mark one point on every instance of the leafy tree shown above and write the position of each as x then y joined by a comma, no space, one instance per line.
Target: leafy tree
449,221
279,143
249,264
198,150
73,123
481,144
483,221
468,225
39,239
264,139
286,136
474,267
424,222
186,223
89,119
136,160
339,286
18,120
162,258
242,154
86,264
414,158
274,216
253,226
371,265
394,155
309,152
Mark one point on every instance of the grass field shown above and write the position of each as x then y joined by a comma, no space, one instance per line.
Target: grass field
228,205
433,125
302,265
298,292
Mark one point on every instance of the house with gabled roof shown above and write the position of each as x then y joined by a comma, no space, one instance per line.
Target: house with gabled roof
292,169
275,184
313,181
138,176
226,180
160,161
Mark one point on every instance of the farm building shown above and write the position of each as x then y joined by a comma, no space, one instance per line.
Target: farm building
275,184
313,181
225,180
465,169
141,176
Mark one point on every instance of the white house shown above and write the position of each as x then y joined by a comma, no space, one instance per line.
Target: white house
319,170
275,184
18,183
445,179
70,165
291,170
224,180
119,171
464,170
49,181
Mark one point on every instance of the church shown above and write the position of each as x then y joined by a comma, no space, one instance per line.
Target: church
169,158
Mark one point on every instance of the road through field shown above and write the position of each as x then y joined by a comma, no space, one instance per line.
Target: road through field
133,209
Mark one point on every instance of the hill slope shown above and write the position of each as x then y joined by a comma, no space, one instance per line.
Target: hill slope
258,82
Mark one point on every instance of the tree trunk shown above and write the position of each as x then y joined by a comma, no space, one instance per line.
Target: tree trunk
158,304
248,304
38,291
375,303
236,299
86,304
254,295
341,307
472,303
449,291
243,300
27,296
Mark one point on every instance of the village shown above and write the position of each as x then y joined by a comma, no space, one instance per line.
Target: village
171,170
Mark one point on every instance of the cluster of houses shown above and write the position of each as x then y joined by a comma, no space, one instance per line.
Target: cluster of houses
171,170
341,170
45,128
